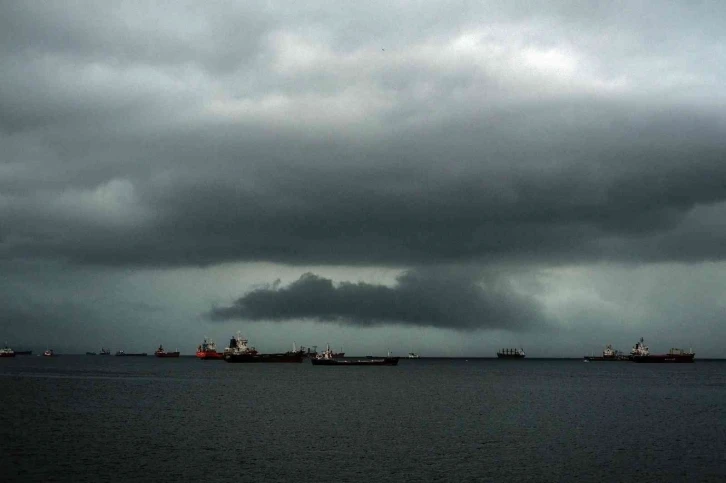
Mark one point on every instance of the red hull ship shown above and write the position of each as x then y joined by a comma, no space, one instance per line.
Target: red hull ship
208,350
640,353
160,352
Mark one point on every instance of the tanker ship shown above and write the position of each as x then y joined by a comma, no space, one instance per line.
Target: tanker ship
239,351
640,353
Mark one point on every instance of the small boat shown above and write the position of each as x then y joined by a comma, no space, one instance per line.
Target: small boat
48,353
511,354
327,359
208,350
7,351
124,354
413,355
160,352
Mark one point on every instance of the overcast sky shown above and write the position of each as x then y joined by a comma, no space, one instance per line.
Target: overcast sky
440,177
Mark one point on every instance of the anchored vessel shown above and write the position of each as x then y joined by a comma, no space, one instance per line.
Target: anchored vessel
104,352
49,353
7,351
239,351
327,359
123,354
160,352
23,353
413,355
208,350
511,354
609,354
640,353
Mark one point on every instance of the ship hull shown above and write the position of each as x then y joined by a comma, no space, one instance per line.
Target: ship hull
167,354
142,354
510,356
664,358
211,355
263,358
386,361
8,354
607,359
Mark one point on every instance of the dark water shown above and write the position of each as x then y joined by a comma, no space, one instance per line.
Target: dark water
86,418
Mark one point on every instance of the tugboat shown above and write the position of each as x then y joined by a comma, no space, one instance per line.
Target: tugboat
327,359
208,350
160,352
511,354
609,354
7,351
640,353
239,351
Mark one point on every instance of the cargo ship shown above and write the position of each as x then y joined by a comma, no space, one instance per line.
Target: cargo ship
327,358
7,351
160,352
609,354
640,353
511,354
239,351
124,354
208,350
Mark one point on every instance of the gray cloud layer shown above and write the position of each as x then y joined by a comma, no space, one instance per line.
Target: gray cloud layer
501,134
234,133
424,298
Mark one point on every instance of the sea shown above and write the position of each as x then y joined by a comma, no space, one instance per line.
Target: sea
105,418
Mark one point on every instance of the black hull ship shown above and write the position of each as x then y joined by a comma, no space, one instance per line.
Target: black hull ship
328,358
239,351
609,355
136,354
510,354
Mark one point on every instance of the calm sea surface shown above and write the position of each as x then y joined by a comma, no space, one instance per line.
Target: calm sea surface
93,418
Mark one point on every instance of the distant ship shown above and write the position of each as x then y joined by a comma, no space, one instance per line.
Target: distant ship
239,351
327,359
91,353
7,351
49,353
609,354
23,353
413,355
104,352
640,353
160,352
208,350
123,354
511,354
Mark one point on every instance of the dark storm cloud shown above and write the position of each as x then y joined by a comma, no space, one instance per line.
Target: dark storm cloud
143,135
436,298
